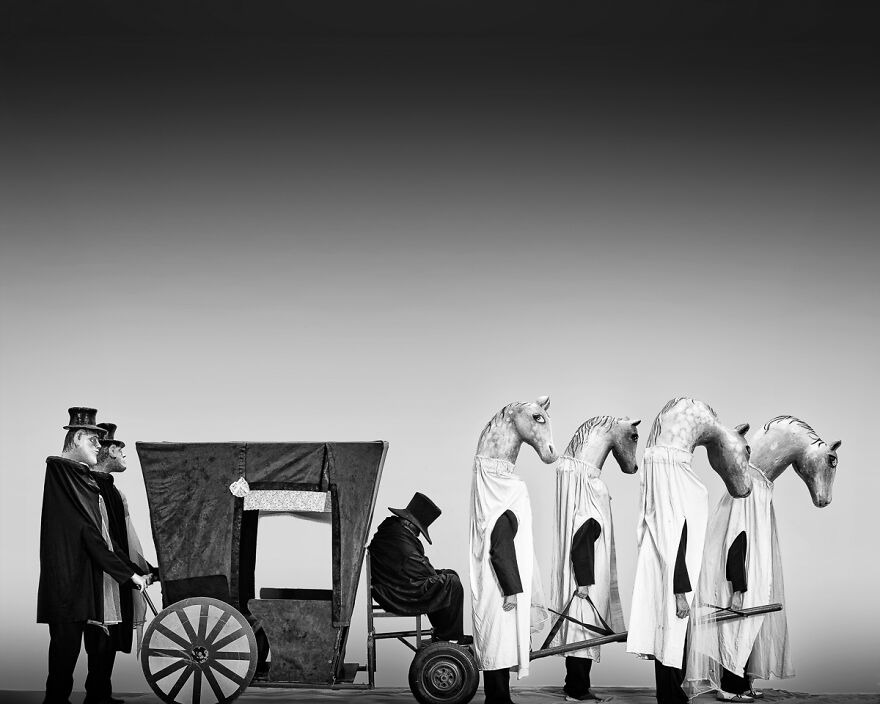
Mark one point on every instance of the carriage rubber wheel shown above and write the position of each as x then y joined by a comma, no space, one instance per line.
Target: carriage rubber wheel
199,651
444,673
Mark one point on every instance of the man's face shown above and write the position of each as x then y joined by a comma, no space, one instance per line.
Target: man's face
85,447
117,457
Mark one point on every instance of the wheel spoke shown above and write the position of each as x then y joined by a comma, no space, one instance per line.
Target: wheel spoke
165,671
187,626
203,621
231,638
166,653
228,655
197,685
168,633
212,681
209,639
172,693
226,672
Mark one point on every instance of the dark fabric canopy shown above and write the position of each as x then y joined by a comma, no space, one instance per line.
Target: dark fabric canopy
196,520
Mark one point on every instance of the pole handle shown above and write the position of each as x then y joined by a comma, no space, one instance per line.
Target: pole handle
150,602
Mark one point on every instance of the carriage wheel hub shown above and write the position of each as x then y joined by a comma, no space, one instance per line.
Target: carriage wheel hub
444,677
200,654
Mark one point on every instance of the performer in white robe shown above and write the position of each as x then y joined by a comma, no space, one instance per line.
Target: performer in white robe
672,530
741,557
743,567
672,525
502,638
584,561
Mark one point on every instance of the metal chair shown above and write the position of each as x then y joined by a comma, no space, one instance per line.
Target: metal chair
375,611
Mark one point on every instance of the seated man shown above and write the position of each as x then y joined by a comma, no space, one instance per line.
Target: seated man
404,582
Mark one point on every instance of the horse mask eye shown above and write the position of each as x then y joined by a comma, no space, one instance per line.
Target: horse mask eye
538,417
832,461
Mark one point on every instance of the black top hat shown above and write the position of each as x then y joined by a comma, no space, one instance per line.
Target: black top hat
421,511
109,438
83,419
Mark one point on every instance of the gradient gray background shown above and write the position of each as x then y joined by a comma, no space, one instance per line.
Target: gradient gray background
392,239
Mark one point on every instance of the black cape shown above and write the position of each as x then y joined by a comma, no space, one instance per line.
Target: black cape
73,553
122,635
404,582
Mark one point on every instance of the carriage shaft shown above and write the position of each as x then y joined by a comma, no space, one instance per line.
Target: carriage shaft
580,645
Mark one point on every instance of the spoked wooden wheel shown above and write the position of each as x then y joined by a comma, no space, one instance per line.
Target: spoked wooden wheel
199,651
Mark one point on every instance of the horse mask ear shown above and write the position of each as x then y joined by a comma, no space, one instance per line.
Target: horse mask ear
635,422
834,445
742,429
543,402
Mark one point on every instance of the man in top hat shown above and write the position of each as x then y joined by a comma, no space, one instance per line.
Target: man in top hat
111,459
405,582
78,564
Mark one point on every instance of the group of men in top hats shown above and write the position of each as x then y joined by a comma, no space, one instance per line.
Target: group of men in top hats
92,570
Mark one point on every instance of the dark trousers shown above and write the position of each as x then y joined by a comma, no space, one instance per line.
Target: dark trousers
65,640
735,684
577,677
448,622
669,681
496,685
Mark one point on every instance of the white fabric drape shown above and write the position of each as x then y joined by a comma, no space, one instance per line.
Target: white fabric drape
671,493
502,638
581,495
112,607
756,645
136,555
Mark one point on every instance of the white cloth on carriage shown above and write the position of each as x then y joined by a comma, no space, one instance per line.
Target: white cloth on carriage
581,495
671,493
502,638
756,645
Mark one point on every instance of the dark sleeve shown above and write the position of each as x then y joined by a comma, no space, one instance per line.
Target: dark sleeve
503,554
681,581
736,563
583,552
418,568
105,558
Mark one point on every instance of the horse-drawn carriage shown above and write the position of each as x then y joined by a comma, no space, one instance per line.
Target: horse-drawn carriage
206,644
214,631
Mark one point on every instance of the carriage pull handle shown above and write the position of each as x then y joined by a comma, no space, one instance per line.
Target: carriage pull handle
149,602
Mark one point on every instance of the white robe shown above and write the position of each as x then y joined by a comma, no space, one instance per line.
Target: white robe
136,555
757,645
581,495
671,493
501,638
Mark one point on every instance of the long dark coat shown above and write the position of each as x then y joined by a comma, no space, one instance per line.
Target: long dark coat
121,636
73,553
404,582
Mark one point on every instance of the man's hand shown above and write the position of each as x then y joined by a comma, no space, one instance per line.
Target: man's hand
736,601
583,592
509,602
139,581
681,606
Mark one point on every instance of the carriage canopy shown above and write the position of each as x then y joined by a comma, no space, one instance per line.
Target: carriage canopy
197,521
